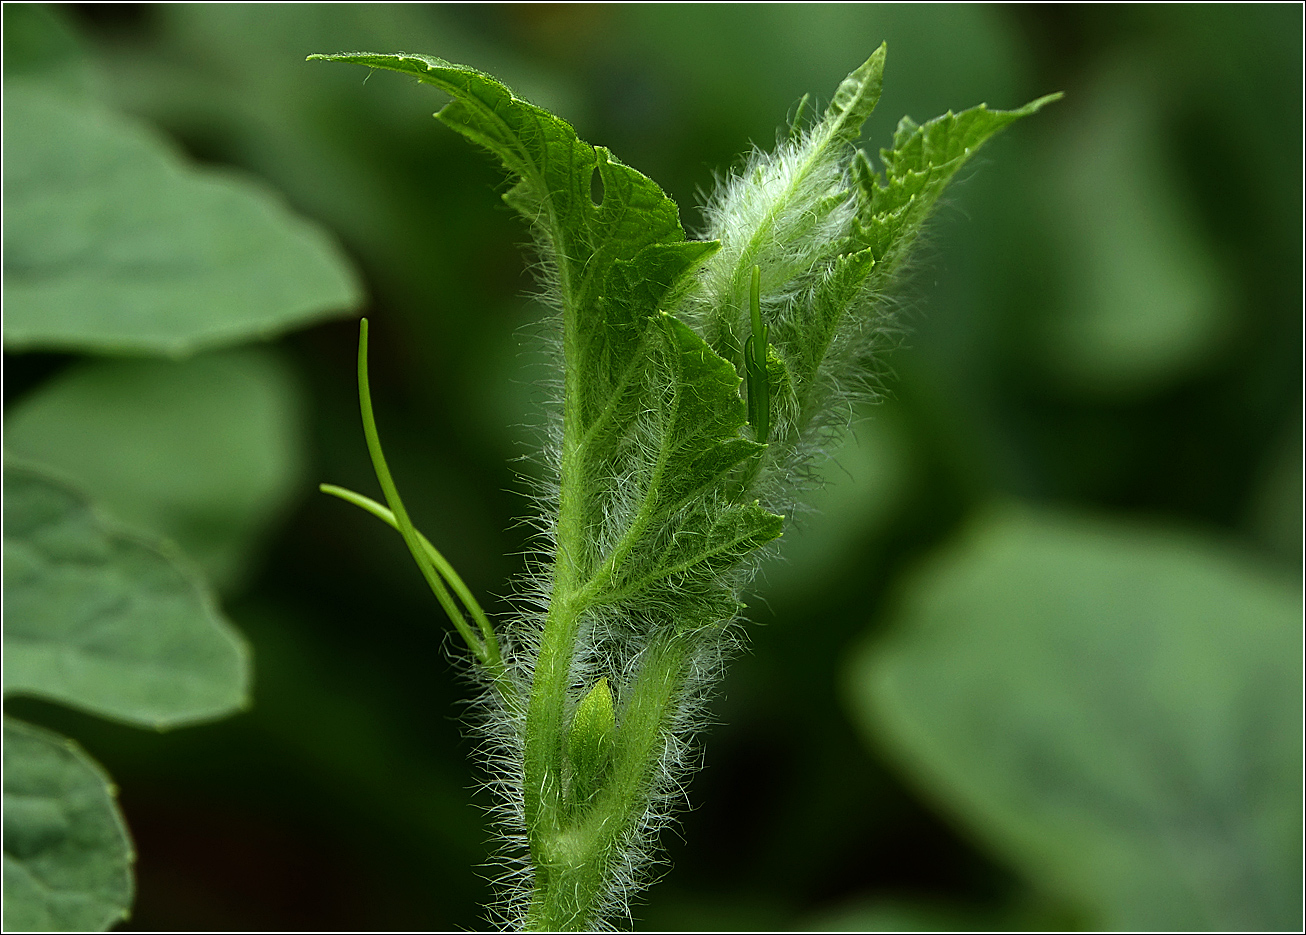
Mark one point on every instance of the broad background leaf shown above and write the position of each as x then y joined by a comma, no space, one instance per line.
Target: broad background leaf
1147,297
67,857
206,451
107,621
1115,709
40,45
113,244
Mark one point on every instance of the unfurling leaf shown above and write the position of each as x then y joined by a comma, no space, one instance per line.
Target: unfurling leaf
591,739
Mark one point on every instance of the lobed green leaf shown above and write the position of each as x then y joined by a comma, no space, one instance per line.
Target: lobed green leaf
113,244
890,213
108,621
1115,710
647,401
554,172
924,159
205,452
67,856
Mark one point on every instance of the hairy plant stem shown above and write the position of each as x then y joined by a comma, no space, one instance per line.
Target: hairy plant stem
661,489
573,844
559,901
574,847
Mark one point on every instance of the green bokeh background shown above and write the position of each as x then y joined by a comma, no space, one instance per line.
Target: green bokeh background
1105,317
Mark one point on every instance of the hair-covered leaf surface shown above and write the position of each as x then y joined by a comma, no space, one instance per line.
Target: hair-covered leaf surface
827,233
106,620
67,856
652,416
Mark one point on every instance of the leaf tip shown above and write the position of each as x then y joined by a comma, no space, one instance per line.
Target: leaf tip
1038,104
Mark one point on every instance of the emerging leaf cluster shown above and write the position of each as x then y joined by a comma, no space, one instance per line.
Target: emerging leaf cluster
666,483
828,235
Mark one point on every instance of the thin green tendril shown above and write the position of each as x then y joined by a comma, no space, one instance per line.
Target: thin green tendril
434,567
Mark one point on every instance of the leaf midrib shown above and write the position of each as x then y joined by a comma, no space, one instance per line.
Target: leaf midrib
592,591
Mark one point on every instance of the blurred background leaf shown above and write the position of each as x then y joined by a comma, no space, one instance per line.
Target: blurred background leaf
42,46
108,621
112,244
67,855
207,452
1145,298
1105,706
340,800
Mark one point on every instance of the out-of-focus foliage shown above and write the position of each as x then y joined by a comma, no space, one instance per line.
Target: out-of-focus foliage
115,244
67,854
1105,705
1146,297
107,621
1107,319
204,451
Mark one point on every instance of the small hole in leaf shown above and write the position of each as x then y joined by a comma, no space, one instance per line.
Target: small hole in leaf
596,187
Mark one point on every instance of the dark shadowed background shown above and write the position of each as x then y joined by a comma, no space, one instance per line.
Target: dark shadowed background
1104,323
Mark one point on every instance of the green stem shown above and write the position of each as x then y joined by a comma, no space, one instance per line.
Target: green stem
544,737
573,865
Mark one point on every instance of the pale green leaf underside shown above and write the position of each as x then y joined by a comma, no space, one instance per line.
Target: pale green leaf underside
107,621
67,857
654,408
855,99
204,451
1116,710
113,244
684,533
